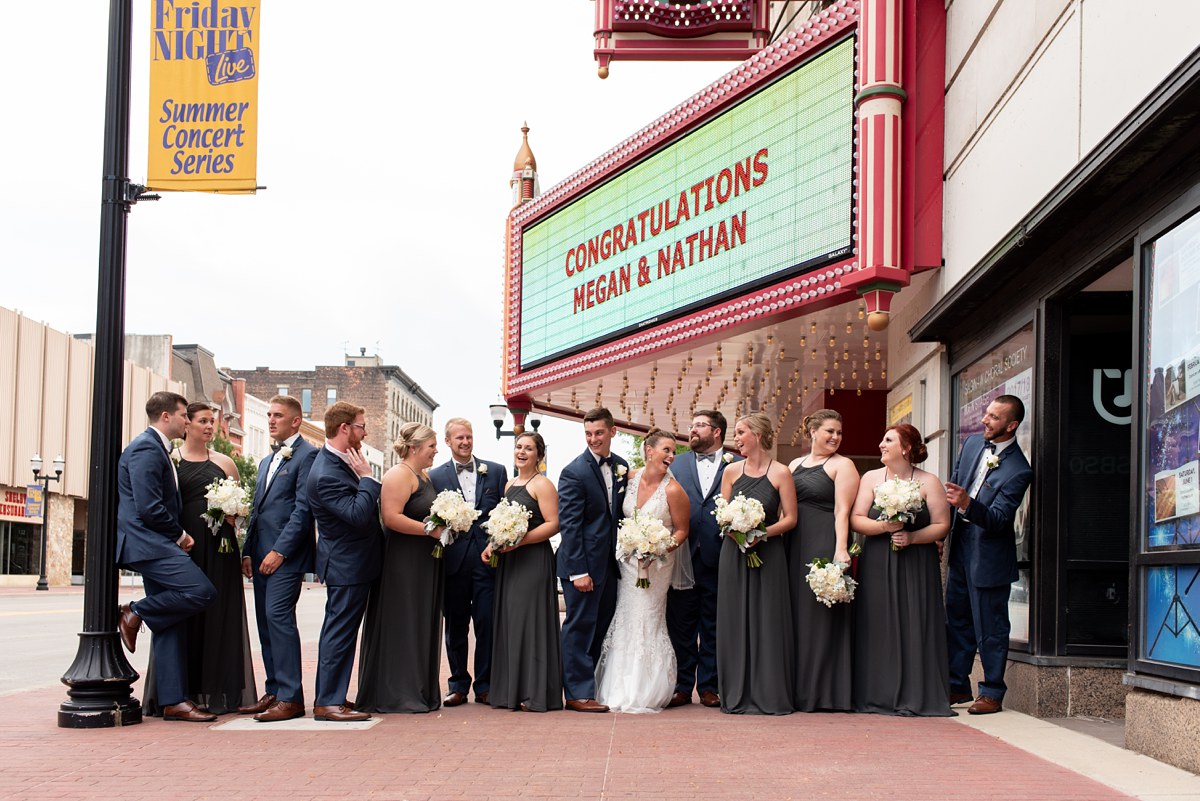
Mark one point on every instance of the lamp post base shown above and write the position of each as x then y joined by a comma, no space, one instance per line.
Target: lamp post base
101,686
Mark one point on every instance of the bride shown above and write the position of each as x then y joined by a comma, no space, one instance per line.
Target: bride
636,671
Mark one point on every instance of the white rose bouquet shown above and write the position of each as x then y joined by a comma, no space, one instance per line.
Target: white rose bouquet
830,581
451,513
226,498
645,538
505,526
898,501
743,520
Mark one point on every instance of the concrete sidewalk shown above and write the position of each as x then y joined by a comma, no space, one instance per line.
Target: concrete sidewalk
474,752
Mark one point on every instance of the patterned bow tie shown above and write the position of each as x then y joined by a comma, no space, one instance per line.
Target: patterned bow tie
706,457
469,467
275,446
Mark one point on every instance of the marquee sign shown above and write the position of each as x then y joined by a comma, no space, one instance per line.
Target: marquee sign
758,193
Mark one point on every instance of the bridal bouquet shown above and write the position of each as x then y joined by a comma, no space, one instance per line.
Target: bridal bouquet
451,513
830,581
898,501
226,498
645,538
742,519
505,526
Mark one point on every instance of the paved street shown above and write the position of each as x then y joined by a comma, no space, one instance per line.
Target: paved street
474,752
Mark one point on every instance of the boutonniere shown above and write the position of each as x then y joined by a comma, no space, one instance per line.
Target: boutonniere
727,458
621,471
992,461
176,455
285,452
483,468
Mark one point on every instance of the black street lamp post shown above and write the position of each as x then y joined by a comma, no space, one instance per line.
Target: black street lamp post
499,411
100,680
44,479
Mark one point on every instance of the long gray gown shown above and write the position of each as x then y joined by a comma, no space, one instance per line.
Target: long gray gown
900,663
526,655
756,645
823,634
402,631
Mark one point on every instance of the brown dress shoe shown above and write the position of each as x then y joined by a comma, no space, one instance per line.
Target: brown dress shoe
338,714
960,698
586,705
281,710
984,706
129,624
186,710
481,698
454,699
262,705
710,699
679,699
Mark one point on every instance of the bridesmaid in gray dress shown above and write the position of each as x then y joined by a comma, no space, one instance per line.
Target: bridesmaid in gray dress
526,656
756,644
826,484
402,631
900,663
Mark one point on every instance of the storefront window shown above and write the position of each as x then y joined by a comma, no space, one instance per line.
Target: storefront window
1005,370
1169,559
20,549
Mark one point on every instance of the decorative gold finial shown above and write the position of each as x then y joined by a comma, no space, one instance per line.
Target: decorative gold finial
525,154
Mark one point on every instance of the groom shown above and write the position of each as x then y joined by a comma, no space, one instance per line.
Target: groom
470,584
989,481
279,550
692,614
590,492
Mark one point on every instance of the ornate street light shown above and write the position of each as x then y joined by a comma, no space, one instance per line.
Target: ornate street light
499,411
44,479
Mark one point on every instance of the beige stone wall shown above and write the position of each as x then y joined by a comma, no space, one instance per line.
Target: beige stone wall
1164,727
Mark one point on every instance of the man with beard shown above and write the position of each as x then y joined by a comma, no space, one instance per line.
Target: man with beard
692,614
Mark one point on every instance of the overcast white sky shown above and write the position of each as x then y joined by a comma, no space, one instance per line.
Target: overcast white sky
386,141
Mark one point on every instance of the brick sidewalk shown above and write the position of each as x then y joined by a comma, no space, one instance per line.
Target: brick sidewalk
474,752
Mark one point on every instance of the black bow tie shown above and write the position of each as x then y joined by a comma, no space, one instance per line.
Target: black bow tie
606,460
469,467
706,457
990,447
275,446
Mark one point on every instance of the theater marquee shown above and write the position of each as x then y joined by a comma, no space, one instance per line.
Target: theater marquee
758,193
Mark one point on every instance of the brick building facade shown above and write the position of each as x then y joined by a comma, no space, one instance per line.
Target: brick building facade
389,395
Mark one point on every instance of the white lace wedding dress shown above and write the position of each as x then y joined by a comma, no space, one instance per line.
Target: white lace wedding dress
636,671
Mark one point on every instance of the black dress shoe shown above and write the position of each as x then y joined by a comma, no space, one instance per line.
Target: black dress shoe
679,699
454,699
186,710
960,698
129,624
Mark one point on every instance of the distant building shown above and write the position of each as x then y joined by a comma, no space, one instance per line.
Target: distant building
390,396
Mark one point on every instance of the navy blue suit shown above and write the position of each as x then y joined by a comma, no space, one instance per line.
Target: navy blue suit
983,566
470,584
588,519
349,555
281,521
148,529
692,614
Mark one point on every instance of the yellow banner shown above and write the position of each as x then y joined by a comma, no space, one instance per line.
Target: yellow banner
204,59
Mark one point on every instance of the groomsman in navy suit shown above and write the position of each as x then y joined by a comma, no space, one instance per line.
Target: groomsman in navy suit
470,584
151,541
591,490
989,481
279,550
692,614
344,498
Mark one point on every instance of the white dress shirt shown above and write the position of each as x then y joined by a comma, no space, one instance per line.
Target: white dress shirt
466,479
277,460
982,471
707,471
